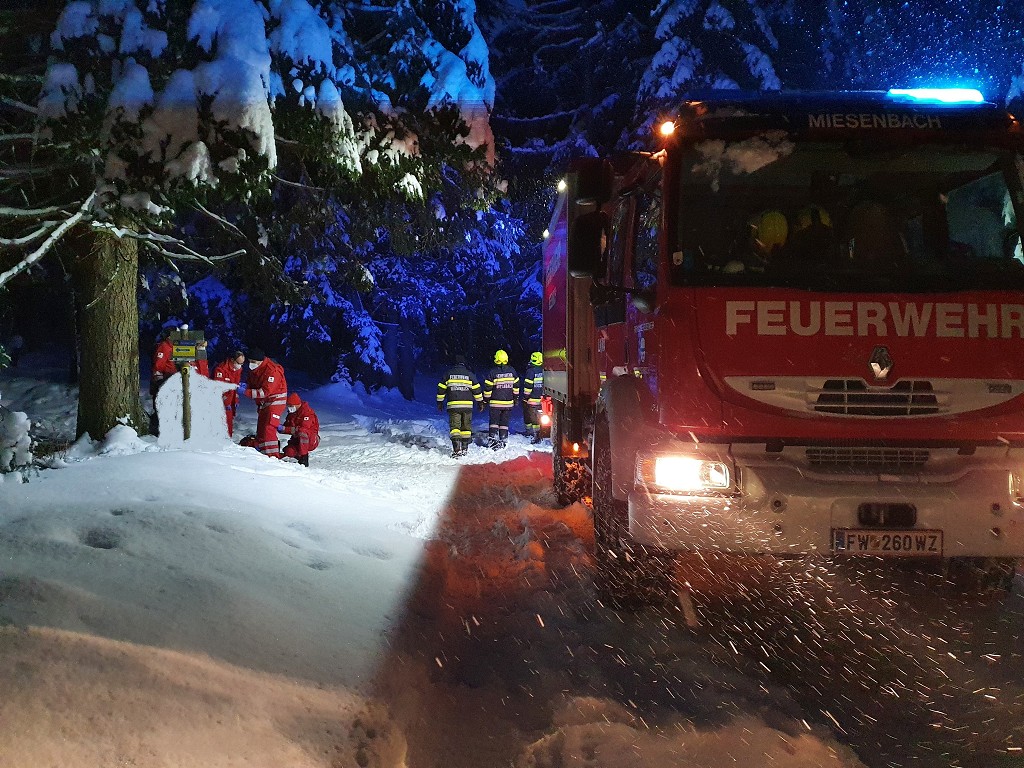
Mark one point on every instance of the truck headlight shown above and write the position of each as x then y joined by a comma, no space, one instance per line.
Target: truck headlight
1017,488
682,474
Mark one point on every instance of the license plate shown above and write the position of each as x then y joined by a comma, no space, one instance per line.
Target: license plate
912,543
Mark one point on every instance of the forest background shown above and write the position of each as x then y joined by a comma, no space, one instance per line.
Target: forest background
380,203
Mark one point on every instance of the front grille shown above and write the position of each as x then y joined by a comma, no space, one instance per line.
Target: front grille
852,397
867,458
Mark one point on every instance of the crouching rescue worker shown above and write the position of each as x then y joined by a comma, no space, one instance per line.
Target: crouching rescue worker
304,427
459,388
230,372
533,390
268,389
501,389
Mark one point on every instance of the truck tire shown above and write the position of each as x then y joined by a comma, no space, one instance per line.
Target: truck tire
629,575
571,479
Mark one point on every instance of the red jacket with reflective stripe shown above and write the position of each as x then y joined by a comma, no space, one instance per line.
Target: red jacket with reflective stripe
305,424
163,366
226,372
266,384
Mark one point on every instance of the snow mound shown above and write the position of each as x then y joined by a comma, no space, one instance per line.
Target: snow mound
592,732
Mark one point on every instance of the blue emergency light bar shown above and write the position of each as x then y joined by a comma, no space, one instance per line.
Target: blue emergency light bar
939,95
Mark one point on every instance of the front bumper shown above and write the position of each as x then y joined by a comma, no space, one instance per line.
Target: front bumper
782,506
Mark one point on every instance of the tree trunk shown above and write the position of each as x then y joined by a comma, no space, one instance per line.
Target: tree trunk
105,277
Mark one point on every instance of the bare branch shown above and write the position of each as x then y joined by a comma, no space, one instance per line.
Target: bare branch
232,227
52,240
167,245
106,288
32,213
297,185
12,137
22,171
24,78
19,104
174,256
17,242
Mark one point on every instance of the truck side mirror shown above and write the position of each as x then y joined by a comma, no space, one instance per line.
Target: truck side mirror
587,243
595,179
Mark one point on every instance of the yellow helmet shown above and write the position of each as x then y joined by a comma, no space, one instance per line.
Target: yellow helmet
536,359
501,357
809,215
770,230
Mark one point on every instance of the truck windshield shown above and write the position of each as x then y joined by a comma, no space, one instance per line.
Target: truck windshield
848,217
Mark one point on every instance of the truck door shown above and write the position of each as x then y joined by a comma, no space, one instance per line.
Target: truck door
610,296
641,346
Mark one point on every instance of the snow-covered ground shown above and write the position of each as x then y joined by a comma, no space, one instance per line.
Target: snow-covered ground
198,604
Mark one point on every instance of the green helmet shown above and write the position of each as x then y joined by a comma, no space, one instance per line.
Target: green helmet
536,359
501,357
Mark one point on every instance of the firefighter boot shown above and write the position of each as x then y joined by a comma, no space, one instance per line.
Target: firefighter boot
456,448
536,438
304,459
465,447
492,441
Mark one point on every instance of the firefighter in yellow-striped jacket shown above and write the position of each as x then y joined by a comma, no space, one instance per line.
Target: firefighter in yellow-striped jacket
533,390
459,388
501,390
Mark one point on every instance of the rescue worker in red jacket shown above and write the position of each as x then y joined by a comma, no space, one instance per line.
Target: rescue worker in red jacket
163,368
304,427
229,371
267,387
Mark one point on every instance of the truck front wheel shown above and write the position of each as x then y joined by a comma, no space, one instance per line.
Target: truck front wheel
629,574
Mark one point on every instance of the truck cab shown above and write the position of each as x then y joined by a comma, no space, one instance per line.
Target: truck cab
793,327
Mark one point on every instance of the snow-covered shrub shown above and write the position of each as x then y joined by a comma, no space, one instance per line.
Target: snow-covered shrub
15,441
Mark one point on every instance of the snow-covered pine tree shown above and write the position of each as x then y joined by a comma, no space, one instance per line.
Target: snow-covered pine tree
566,72
149,108
708,44
567,75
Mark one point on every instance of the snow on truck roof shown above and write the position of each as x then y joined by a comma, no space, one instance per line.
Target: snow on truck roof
836,114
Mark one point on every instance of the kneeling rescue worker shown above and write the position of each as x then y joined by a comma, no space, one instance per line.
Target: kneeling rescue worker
304,427
459,388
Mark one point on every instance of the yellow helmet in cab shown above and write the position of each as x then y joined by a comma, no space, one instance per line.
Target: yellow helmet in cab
501,357
770,229
536,359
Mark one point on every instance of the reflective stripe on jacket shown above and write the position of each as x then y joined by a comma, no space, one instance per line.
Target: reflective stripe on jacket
459,388
305,425
267,385
501,387
533,385
226,372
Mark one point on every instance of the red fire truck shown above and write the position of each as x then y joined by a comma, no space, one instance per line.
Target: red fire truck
794,326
